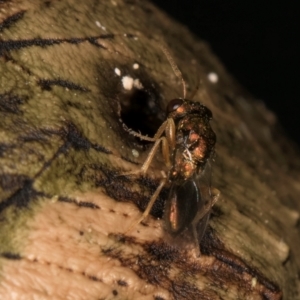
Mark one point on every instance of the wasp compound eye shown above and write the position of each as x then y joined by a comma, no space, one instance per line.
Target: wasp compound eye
173,105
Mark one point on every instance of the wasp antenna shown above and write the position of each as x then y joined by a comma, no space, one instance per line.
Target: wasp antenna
176,70
192,95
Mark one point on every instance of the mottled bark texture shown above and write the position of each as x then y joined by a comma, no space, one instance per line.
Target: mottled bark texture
63,210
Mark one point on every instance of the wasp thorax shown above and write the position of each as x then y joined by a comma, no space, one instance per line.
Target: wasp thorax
179,108
195,139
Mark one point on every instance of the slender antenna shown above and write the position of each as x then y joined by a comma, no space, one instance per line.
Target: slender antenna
176,70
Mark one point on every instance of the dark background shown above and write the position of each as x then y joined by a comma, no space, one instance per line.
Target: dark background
259,44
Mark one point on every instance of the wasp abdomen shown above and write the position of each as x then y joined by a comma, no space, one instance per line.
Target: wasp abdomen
181,206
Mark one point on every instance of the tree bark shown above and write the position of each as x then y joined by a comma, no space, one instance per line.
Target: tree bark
72,76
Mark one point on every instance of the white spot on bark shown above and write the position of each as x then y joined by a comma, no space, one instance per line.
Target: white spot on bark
137,84
98,24
127,82
253,282
135,153
118,71
135,66
213,77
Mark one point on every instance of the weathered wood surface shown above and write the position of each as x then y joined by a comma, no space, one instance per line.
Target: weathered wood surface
63,210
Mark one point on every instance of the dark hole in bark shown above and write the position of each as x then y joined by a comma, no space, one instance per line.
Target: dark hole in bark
141,112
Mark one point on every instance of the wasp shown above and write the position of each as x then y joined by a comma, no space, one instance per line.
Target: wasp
187,144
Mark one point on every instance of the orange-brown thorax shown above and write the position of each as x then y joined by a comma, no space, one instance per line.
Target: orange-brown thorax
195,139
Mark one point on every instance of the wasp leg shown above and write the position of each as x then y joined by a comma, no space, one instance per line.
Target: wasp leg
157,135
148,160
141,136
203,216
197,236
149,206
167,141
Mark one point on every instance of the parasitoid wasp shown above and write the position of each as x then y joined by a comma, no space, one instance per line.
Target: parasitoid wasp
188,143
